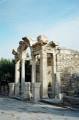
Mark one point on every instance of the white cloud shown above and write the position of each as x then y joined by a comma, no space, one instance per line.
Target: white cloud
66,33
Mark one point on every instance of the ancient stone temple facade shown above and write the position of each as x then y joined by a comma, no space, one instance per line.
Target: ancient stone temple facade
54,70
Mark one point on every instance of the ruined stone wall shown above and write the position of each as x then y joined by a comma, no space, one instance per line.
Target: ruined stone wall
68,66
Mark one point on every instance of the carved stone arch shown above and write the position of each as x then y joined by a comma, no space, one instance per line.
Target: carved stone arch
28,43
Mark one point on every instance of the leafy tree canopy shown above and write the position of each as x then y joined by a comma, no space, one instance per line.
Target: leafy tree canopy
7,70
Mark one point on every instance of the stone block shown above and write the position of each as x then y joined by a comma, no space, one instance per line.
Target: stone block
11,89
26,95
36,92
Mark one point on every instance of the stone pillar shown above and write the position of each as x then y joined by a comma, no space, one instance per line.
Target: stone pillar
11,89
53,85
33,74
23,72
58,87
54,62
17,77
22,77
54,74
33,70
43,75
36,95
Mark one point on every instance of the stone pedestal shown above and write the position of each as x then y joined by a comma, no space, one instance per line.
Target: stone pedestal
27,93
36,92
11,89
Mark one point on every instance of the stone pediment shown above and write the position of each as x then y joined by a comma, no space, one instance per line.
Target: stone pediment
53,44
41,41
47,46
50,46
38,44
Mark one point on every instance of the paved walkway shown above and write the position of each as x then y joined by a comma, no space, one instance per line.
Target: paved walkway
11,109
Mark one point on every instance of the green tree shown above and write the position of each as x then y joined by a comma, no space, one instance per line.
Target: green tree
7,70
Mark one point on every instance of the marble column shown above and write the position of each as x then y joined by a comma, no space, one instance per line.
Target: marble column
23,72
17,77
58,94
54,62
43,75
58,86
22,77
33,70
33,74
53,74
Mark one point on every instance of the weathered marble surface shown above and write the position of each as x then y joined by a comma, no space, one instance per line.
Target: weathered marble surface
11,109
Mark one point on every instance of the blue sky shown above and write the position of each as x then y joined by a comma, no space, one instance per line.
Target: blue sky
57,19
